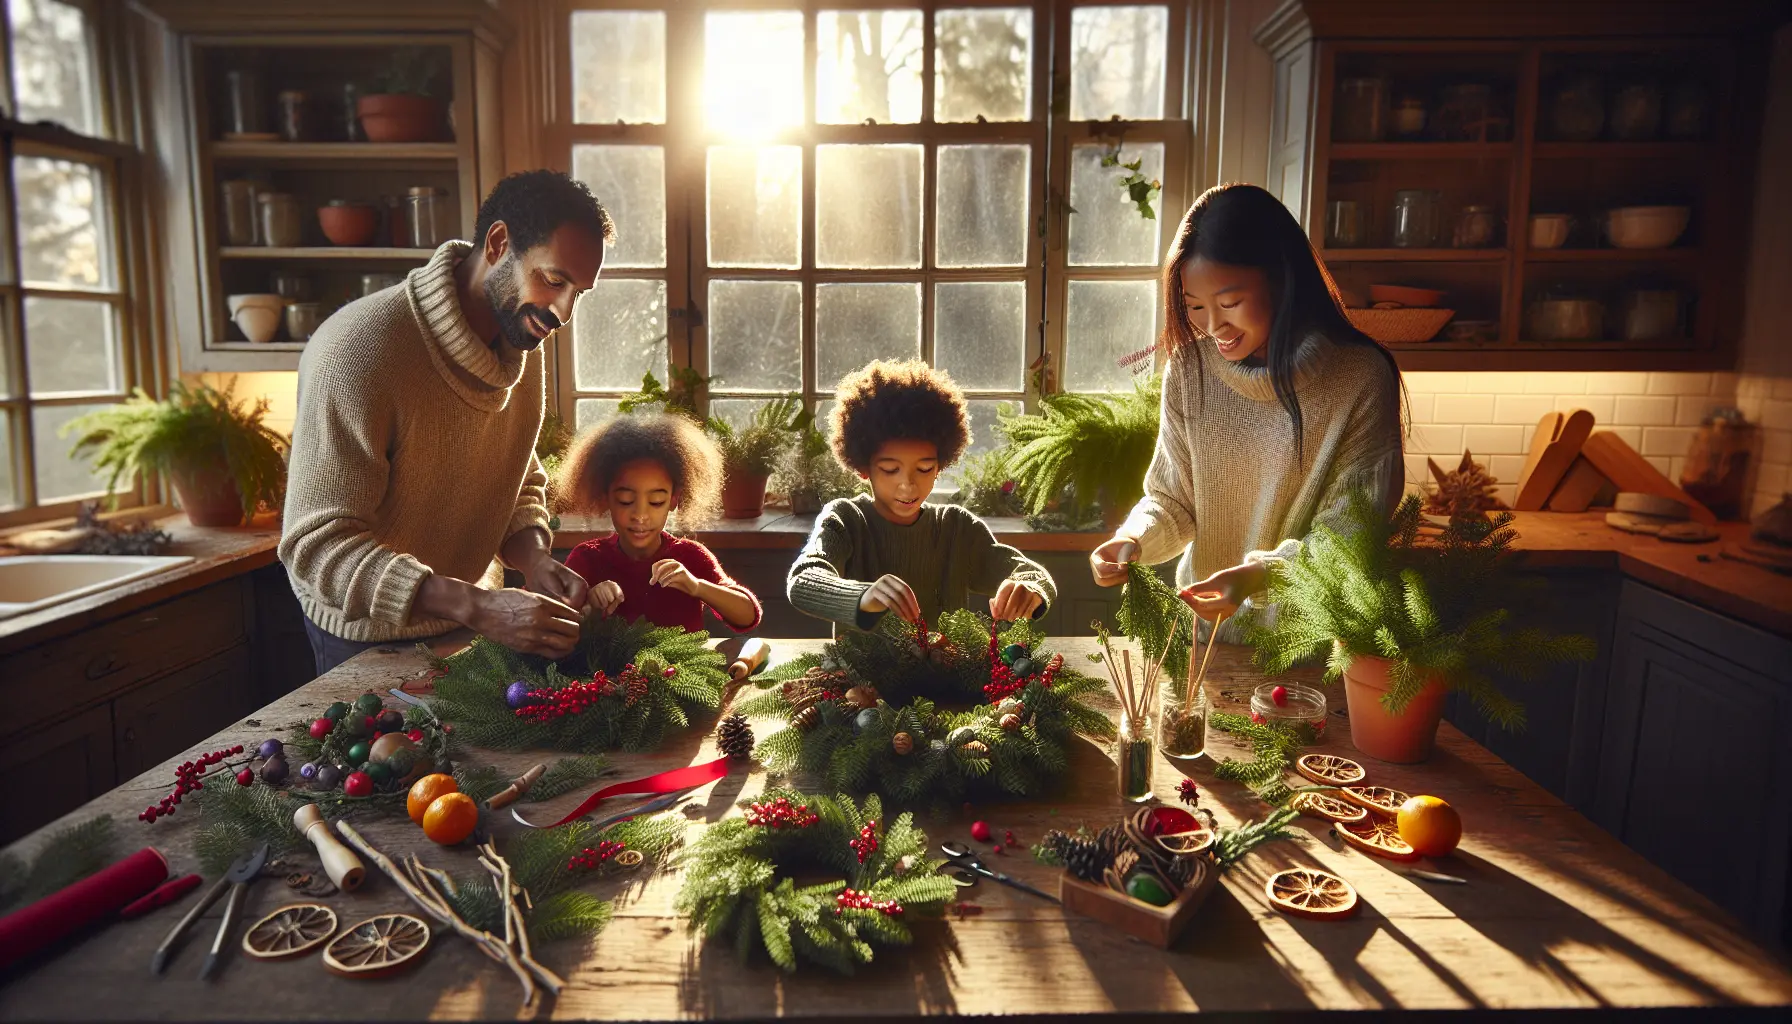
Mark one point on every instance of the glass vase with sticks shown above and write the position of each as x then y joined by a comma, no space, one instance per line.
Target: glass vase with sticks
1183,718
1134,742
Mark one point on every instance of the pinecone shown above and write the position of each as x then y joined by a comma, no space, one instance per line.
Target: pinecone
1465,494
735,737
1085,858
1056,841
635,687
1113,840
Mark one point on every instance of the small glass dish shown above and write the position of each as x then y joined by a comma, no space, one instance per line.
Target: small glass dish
1302,708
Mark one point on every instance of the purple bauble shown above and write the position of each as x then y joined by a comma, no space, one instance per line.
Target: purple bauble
328,776
274,771
308,770
270,748
518,694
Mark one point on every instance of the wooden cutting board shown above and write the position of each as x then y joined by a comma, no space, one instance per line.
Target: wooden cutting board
1554,446
1580,488
1621,464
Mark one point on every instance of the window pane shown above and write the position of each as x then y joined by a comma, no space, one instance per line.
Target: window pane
619,334
982,218
980,333
619,67
52,65
755,206
1117,62
66,239
1107,229
983,61
756,335
856,323
589,412
753,71
9,492
69,346
5,356
59,477
631,183
983,438
736,412
868,65
867,206
1107,321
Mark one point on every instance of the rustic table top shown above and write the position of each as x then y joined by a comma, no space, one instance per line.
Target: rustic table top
1556,913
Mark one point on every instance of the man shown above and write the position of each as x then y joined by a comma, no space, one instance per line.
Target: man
413,454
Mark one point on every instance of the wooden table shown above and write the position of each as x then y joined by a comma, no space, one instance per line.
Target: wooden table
1556,914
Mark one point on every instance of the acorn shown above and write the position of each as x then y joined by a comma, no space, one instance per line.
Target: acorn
862,696
902,743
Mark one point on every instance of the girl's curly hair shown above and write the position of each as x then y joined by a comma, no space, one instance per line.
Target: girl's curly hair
908,401
674,441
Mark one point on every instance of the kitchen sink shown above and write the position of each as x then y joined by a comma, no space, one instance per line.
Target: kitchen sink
31,582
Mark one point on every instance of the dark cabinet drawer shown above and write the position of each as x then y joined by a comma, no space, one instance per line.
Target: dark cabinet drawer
54,770
157,721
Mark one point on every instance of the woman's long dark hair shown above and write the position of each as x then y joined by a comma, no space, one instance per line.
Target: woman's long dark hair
1244,226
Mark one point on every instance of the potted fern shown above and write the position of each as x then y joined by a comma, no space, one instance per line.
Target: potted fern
751,453
222,458
401,105
809,475
1406,618
1098,445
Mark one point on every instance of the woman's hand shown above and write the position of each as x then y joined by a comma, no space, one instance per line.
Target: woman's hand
890,593
671,573
1221,594
1108,562
1014,601
604,598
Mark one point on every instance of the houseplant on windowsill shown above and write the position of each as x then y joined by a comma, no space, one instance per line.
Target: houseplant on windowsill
1405,618
400,105
751,453
1099,445
223,460
809,475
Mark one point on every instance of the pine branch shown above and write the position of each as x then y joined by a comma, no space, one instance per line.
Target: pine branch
566,775
1234,843
67,856
1161,623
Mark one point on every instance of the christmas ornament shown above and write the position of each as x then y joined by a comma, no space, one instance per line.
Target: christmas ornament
357,754
1431,826
862,696
245,777
1309,892
414,735
980,831
1145,887
290,931
1280,696
321,728
734,737
1329,769
424,792
335,711
269,748
389,721
1010,722
1013,653
369,704
902,743
378,772
377,946
1468,493
274,771
864,720
357,784
450,818
308,771
391,743
328,776
517,694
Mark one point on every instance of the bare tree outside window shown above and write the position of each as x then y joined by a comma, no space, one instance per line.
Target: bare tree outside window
52,65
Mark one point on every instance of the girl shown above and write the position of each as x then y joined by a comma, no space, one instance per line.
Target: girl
1274,406
638,468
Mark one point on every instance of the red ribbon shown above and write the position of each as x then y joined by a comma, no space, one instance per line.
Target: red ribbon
665,782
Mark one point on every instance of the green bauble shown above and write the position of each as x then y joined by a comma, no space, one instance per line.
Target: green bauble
1146,888
960,736
368,704
357,754
335,711
1013,652
379,773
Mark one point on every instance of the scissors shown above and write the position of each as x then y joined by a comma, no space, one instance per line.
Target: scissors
242,872
961,856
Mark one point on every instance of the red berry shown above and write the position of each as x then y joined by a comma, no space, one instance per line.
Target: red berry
1280,696
416,735
245,777
998,847
357,784
980,831
321,728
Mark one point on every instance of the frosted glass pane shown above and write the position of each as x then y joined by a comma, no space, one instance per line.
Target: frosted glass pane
868,65
619,67
589,412
980,333
69,346
9,492
983,439
1107,230
52,65
756,335
856,323
983,64
64,231
59,477
1117,62
631,183
1107,321
868,206
982,219
755,206
753,71
619,334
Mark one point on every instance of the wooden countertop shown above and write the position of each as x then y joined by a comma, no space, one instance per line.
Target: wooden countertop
1556,913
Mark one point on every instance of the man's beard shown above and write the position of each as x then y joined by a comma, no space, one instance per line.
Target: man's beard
504,294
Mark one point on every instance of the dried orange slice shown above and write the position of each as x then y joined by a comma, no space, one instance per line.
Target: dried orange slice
1306,892
1330,770
290,931
377,946
1379,799
1380,837
1320,805
1194,840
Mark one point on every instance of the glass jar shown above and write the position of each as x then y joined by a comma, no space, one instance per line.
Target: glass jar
245,109
239,211
1476,227
351,113
295,115
302,319
1409,117
1414,224
427,214
1132,758
1182,730
281,225
1636,112
1359,110
1301,709
293,287
1346,224
1577,110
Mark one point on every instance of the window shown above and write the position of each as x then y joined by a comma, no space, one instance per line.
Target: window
799,191
62,308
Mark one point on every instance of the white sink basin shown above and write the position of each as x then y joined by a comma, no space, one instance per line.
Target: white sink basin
31,582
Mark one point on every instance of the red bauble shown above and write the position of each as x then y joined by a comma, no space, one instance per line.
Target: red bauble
357,784
321,728
245,777
980,831
1280,696
415,735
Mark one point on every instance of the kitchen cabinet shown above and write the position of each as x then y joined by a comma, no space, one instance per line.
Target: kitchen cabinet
157,721
52,770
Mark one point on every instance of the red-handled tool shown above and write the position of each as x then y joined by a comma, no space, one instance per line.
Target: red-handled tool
163,895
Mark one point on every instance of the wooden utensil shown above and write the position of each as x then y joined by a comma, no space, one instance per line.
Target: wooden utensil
1621,464
340,863
1580,488
1554,446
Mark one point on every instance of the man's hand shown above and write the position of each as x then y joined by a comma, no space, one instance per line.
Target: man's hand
546,575
890,593
1014,601
1108,562
1222,593
526,622
671,573
605,597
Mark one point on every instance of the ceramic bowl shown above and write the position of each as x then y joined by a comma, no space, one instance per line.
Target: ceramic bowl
1646,227
258,323
1415,298
255,300
347,223
1550,230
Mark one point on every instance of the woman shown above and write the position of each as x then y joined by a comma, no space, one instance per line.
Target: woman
1274,406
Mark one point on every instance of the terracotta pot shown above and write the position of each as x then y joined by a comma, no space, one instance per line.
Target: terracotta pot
743,496
208,494
398,117
348,223
1405,738
804,503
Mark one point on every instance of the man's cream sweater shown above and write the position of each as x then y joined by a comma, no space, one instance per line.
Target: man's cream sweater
1225,486
413,453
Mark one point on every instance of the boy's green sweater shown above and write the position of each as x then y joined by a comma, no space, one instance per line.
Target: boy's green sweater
944,555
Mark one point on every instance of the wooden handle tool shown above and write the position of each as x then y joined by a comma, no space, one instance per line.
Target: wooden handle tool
752,658
340,862
518,786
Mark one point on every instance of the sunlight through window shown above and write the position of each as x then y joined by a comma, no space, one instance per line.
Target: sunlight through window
753,72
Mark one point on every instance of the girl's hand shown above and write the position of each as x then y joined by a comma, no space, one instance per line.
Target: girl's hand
1222,593
604,598
670,572
1014,601
1108,562
890,593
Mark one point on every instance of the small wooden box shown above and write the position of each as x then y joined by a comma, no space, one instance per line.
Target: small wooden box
1159,926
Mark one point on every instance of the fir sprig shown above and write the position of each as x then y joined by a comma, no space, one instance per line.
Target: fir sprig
238,817
66,856
1273,746
1234,843
1162,623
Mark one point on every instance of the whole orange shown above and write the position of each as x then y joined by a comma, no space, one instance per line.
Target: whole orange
1430,826
450,818
424,791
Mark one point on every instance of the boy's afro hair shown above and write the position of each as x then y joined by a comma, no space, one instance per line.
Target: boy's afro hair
888,401
674,441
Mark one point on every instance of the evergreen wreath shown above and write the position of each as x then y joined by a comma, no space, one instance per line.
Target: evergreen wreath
626,685
738,880
910,713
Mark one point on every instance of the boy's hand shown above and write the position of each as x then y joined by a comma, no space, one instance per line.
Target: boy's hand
670,572
604,598
890,593
1014,601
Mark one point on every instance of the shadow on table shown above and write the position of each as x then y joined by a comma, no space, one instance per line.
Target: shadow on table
914,981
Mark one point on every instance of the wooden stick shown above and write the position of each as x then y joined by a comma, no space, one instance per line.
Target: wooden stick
1112,664
498,951
518,786
1201,679
514,914
1131,692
